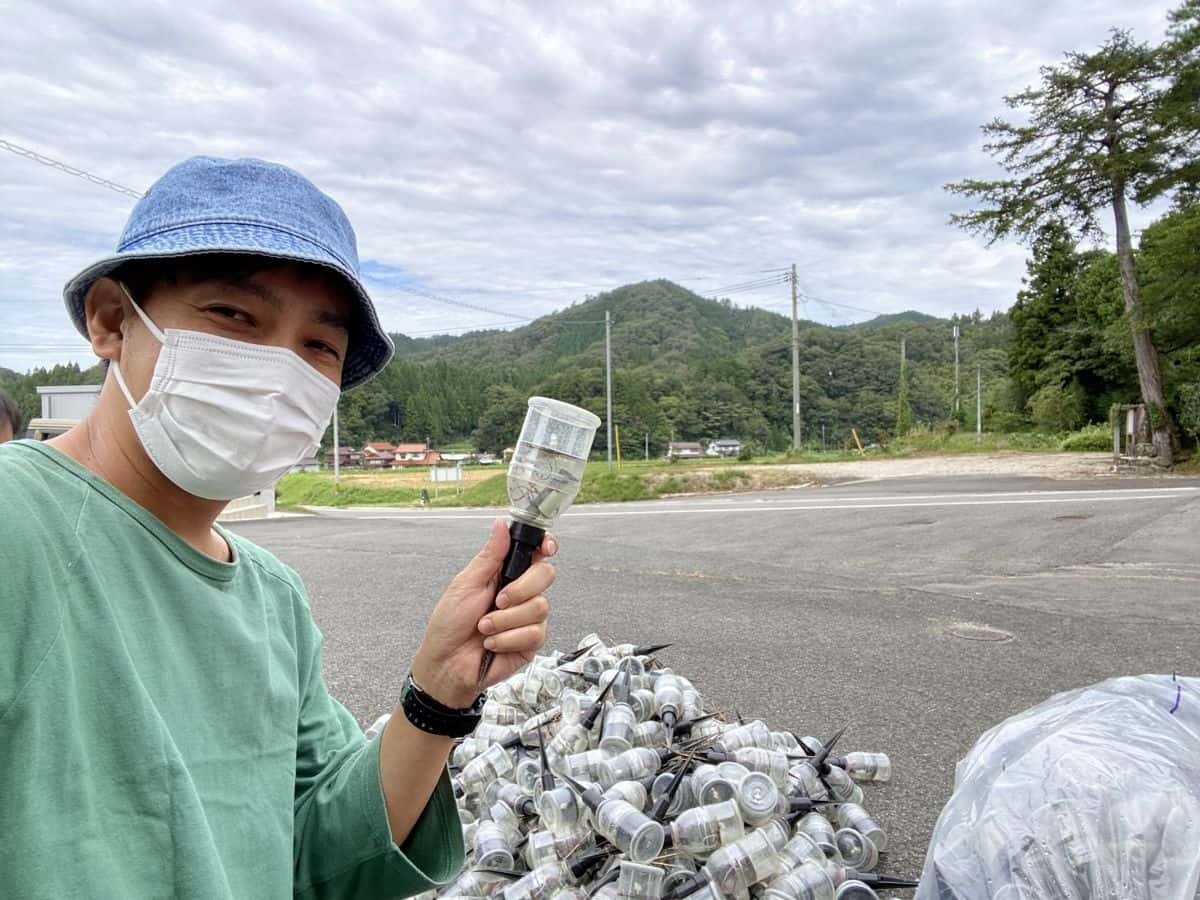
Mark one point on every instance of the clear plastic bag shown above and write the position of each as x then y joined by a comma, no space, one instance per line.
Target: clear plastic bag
1094,793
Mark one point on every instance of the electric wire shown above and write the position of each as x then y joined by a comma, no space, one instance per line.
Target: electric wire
70,170
451,301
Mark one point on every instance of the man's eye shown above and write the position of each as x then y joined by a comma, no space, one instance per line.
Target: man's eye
325,348
230,312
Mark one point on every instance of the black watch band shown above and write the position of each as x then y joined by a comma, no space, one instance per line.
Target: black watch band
432,717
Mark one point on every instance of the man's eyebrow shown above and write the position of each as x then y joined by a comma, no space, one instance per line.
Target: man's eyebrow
264,293
260,291
328,317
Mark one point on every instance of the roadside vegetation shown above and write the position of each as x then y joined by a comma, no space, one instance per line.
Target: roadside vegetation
649,479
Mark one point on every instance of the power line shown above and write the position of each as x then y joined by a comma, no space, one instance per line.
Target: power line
749,285
450,301
70,170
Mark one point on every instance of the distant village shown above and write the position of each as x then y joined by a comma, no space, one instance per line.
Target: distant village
385,455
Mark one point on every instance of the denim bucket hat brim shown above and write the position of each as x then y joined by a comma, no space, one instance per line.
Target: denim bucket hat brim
246,206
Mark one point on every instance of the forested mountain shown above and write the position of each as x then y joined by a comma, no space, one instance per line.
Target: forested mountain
685,367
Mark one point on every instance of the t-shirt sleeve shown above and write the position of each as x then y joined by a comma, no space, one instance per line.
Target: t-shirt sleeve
343,845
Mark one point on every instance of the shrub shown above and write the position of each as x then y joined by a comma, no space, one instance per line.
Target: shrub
1091,437
1189,409
1057,408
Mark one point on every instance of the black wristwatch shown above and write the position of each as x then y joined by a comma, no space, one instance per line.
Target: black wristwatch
432,717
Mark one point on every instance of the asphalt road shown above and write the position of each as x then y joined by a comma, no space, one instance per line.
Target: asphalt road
814,608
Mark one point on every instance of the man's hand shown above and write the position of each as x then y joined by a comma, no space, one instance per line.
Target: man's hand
461,626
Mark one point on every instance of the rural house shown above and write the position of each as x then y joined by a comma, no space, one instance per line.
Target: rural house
725,447
378,455
684,450
347,457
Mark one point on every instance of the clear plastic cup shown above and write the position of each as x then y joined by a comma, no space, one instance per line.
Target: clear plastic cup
841,786
550,457
770,762
643,704
632,832
758,797
804,781
710,787
856,850
702,829
800,849
559,809
631,765
855,890
494,764
851,815
569,740
752,734
820,829
617,733
493,846
734,867
502,714
865,767
683,799
808,881
639,882
649,734
632,792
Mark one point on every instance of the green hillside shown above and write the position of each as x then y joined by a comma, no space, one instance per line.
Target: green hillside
685,366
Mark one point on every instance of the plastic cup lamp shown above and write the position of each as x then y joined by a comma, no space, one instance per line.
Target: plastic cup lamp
543,479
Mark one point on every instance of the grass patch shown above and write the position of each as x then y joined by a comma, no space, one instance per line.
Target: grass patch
316,489
921,441
640,480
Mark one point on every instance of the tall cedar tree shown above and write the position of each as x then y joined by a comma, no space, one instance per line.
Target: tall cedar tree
1098,135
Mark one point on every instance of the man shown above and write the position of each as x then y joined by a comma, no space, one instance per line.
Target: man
164,726
10,418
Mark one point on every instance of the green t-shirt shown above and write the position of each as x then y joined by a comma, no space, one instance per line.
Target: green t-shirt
164,727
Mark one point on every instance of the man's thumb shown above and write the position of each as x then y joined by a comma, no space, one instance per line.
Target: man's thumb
488,560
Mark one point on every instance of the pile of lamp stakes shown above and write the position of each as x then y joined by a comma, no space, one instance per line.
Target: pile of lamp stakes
600,773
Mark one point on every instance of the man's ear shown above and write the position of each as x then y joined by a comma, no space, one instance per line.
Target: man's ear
104,310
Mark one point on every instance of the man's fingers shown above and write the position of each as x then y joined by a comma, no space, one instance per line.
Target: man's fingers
536,580
531,612
548,549
519,640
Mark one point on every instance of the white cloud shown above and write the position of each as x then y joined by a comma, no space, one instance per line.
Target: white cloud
520,156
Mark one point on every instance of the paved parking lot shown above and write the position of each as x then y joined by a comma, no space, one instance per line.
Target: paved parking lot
857,605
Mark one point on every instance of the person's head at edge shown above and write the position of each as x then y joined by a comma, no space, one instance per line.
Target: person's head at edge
10,418
245,251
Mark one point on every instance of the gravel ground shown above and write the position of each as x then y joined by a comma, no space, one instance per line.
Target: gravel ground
1041,465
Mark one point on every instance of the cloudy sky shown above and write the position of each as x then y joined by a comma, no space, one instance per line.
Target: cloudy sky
519,157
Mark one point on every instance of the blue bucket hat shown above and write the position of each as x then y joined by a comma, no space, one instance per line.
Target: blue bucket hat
209,205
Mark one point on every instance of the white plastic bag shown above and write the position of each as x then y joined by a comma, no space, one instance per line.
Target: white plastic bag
1093,794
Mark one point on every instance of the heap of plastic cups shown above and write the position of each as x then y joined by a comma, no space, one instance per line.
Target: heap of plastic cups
601,773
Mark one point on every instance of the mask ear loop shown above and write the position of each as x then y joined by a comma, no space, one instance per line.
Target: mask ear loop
152,328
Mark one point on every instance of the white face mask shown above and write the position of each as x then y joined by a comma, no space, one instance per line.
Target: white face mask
225,418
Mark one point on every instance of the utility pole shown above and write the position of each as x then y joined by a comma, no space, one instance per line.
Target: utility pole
337,456
647,446
795,366
978,405
608,382
956,371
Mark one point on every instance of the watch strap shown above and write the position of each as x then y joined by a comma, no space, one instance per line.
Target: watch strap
433,717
